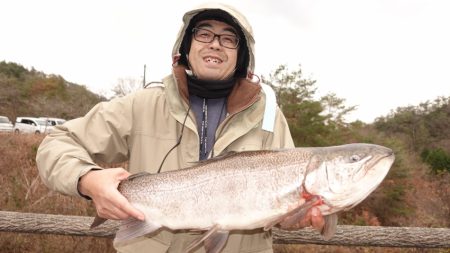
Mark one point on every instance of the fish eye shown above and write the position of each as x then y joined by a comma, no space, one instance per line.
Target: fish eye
355,158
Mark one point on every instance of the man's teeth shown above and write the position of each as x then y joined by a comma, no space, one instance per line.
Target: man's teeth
214,60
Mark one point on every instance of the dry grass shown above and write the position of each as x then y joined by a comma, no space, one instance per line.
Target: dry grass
310,248
23,191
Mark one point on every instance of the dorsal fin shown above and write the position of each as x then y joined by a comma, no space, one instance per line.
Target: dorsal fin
139,174
227,155
220,157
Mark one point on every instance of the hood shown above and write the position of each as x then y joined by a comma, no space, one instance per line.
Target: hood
238,18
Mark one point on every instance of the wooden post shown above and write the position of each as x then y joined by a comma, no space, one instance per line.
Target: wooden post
369,236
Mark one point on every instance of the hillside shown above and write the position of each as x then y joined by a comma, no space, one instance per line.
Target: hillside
416,192
32,93
417,199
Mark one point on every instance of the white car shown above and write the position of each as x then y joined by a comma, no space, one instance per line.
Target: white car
54,121
5,124
31,125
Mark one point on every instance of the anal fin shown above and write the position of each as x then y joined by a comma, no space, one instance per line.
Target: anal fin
214,240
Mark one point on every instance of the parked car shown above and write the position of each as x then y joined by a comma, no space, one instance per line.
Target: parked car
31,125
52,122
5,124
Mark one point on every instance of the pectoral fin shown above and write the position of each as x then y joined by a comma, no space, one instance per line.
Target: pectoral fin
214,240
329,228
291,218
97,221
132,228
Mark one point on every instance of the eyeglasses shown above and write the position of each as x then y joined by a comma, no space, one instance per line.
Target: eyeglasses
207,36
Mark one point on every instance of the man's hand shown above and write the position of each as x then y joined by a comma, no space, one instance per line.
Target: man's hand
313,218
101,186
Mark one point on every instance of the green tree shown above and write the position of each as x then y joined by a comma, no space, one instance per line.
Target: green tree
11,69
312,122
437,119
438,159
290,86
335,109
408,121
424,126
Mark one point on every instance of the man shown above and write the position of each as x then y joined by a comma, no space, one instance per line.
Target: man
206,107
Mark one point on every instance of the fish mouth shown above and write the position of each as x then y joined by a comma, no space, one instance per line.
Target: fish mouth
389,156
377,170
375,163
372,162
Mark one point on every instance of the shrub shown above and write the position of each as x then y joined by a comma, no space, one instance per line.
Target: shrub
438,159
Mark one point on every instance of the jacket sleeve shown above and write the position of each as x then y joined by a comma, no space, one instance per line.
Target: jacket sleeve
281,136
73,149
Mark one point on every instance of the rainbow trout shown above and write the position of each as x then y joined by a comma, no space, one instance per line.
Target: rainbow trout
254,189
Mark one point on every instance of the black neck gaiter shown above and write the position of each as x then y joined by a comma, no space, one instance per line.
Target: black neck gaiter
210,88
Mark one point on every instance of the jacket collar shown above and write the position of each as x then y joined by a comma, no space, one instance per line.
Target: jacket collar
244,96
244,93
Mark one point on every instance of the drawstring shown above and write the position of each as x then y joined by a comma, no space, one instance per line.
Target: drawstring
204,128
179,139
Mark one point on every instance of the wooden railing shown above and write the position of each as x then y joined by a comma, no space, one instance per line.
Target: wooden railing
404,237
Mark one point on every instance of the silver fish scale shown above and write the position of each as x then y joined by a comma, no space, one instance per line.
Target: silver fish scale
256,189
244,187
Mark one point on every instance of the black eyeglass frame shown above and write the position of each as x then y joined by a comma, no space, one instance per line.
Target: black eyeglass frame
214,37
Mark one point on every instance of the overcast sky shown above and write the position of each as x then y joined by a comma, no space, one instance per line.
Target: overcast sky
376,54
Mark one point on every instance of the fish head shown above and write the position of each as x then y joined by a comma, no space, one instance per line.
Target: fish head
345,175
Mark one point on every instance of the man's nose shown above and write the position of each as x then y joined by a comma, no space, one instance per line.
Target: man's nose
214,42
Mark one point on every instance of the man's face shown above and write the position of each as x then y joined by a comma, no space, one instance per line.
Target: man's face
211,61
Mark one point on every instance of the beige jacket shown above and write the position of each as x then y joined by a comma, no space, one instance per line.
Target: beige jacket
141,128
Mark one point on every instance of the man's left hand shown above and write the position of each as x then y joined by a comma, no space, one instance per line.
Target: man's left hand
313,218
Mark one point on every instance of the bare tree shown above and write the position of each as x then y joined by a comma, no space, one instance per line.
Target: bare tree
125,86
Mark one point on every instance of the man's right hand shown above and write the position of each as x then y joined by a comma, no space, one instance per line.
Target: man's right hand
101,186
